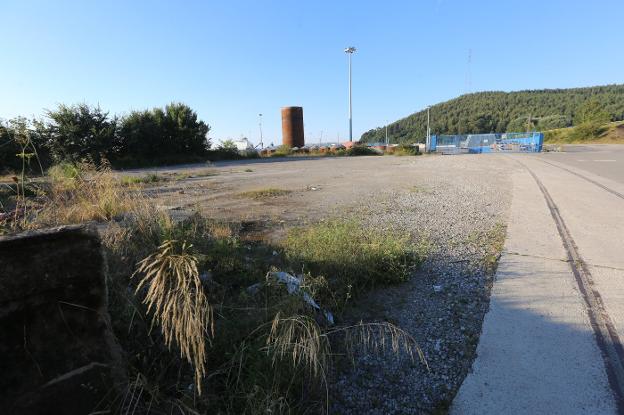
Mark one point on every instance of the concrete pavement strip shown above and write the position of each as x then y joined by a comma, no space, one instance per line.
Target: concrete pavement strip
537,352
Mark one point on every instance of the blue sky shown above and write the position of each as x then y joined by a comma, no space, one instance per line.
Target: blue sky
231,60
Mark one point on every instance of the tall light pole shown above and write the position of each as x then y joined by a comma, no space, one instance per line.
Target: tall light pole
260,124
387,133
350,51
428,142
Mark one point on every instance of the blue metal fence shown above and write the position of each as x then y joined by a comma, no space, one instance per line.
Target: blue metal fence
488,143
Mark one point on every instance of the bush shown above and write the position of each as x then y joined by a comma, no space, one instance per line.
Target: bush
360,150
406,150
282,151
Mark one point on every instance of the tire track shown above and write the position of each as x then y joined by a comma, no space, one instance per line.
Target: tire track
602,186
604,330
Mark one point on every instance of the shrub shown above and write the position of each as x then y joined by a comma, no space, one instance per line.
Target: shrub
406,150
360,150
282,151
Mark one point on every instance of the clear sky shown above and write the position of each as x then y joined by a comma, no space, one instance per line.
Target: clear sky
231,60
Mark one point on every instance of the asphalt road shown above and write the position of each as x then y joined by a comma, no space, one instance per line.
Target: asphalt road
605,160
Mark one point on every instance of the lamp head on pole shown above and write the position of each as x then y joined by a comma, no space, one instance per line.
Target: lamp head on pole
350,49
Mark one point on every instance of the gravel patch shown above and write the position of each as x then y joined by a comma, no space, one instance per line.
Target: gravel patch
459,204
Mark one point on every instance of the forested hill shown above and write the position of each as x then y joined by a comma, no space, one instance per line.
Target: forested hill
485,112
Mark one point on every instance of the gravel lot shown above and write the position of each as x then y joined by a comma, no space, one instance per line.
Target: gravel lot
457,203
443,306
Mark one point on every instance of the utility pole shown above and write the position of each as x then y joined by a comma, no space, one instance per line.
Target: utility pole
350,51
260,124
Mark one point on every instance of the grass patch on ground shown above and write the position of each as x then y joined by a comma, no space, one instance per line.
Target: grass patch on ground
493,240
266,193
146,179
194,174
350,257
263,345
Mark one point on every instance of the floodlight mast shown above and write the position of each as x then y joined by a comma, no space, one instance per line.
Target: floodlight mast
350,51
428,139
260,124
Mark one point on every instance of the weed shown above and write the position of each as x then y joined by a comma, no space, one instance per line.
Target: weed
420,189
492,242
351,257
63,172
265,193
92,194
176,298
193,174
146,179
360,150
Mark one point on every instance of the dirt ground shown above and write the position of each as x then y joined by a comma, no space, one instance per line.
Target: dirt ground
318,187
458,204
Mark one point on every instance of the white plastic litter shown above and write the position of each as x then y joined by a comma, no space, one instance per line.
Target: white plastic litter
293,285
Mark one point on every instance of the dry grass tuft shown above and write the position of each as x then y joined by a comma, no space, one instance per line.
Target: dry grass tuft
84,193
176,298
299,339
377,337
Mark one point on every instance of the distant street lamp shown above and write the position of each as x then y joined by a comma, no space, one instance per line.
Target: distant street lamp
350,51
260,124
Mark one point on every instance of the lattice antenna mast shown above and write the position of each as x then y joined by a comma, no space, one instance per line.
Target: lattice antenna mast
468,73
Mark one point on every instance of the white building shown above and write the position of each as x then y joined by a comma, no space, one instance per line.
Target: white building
243,144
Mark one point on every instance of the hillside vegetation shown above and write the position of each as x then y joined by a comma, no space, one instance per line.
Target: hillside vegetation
485,112
611,133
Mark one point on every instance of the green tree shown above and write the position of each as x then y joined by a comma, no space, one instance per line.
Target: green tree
162,135
496,111
79,132
592,112
228,145
590,121
18,137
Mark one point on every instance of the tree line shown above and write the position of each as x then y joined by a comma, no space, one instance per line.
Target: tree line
73,133
487,112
